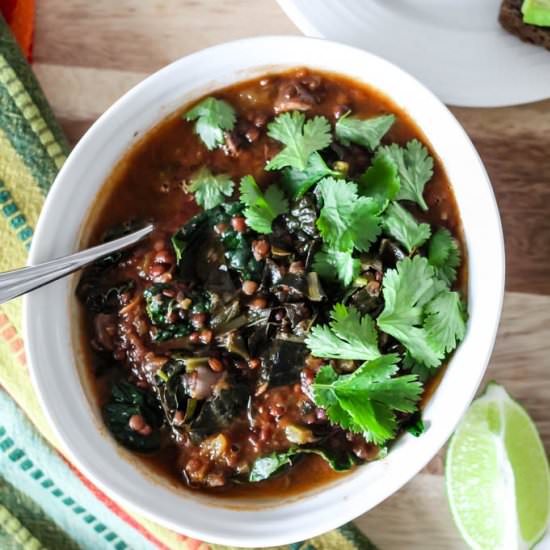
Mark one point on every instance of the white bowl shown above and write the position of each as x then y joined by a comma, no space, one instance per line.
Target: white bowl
49,324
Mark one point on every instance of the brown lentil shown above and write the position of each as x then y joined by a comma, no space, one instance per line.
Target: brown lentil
238,223
249,287
136,422
215,364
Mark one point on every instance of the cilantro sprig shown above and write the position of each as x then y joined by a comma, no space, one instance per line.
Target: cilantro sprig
380,181
445,322
366,400
210,190
335,265
401,225
348,336
421,312
261,208
415,167
363,131
407,289
444,255
298,182
300,138
346,221
213,117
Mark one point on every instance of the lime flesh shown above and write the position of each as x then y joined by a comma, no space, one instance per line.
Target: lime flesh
497,475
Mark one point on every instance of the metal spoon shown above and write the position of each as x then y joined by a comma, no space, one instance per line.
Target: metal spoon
20,281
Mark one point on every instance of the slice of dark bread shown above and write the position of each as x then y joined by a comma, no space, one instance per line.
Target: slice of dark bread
511,19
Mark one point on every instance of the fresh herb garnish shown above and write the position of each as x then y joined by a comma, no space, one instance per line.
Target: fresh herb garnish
346,220
444,255
210,190
297,182
365,401
213,117
363,131
407,289
380,181
261,208
401,225
415,168
300,138
415,425
335,265
348,336
445,321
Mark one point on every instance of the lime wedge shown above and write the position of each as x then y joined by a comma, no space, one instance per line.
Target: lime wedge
497,475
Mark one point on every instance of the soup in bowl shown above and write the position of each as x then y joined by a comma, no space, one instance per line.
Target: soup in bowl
311,315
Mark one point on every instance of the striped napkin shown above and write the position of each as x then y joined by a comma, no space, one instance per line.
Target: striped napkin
44,501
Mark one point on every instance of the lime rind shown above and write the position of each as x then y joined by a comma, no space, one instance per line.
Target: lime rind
531,512
497,476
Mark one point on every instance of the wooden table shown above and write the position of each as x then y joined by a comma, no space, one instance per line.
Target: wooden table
87,54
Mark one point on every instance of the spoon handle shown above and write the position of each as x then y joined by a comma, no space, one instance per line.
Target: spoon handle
20,281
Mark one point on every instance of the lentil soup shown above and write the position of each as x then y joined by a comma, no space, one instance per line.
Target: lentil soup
285,319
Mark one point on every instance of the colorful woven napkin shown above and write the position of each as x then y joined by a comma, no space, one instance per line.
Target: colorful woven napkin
44,501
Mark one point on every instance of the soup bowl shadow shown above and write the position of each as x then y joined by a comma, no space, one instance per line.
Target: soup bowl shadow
50,321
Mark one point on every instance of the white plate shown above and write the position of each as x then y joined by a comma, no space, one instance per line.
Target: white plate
456,48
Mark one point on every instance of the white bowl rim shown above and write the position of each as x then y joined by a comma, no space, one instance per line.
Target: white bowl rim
270,526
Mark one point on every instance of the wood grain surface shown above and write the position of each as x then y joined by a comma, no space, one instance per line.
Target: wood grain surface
87,54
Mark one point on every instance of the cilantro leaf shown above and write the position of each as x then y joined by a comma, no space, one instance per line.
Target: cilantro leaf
444,255
300,138
423,372
365,223
366,132
298,182
335,265
406,290
261,208
366,400
210,190
401,225
415,168
348,336
380,181
346,220
415,426
445,321
213,116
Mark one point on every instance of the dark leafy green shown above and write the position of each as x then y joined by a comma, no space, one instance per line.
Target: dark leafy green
128,400
99,299
170,387
189,233
218,411
282,363
166,313
275,463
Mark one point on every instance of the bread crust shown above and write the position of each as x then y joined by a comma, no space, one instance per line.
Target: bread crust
510,17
